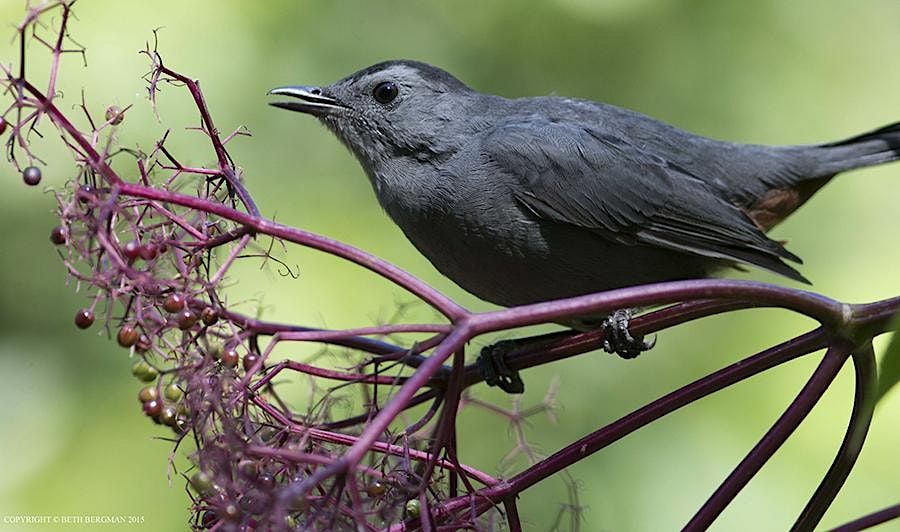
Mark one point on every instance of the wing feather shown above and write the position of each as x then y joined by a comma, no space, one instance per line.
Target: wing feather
581,176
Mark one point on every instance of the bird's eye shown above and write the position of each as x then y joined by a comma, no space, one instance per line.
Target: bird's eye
385,92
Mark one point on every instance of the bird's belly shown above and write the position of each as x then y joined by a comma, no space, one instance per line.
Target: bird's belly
520,261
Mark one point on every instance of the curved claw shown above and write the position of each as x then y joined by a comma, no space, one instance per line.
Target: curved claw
619,339
492,366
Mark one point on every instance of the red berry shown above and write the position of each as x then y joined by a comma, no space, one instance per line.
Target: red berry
127,336
131,249
84,318
3,124
229,357
31,175
173,303
58,235
209,316
148,251
186,319
249,360
153,407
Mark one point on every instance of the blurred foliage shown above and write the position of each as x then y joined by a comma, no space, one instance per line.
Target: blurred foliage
73,437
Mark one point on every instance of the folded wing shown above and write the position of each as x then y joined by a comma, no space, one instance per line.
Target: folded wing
581,176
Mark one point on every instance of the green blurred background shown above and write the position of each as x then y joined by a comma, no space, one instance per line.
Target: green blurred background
72,437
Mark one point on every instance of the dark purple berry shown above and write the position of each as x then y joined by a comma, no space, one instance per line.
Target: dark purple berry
3,124
266,481
153,407
249,360
186,319
31,175
209,316
58,235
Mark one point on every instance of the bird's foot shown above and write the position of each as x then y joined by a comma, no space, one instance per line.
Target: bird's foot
618,338
492,366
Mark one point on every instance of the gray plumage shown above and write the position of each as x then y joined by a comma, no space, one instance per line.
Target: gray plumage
532,199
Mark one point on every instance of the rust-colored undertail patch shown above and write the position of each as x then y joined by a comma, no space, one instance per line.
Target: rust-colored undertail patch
778,203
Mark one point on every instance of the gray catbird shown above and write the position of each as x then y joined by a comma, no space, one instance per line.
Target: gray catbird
531,199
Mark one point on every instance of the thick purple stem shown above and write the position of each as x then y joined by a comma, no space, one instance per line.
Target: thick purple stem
617,430
873,519
827,370
824,310
864,400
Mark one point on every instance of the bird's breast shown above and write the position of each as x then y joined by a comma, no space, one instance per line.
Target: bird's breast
507,257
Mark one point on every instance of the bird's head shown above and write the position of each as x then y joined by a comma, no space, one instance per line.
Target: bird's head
390,110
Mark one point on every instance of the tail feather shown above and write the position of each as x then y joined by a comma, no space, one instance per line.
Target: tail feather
868,149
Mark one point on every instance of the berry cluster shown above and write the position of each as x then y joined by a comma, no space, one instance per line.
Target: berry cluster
152,253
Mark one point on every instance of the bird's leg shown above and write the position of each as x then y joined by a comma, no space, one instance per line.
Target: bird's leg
617,338
493,362
492,366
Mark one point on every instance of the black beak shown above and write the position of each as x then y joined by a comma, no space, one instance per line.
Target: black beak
309,100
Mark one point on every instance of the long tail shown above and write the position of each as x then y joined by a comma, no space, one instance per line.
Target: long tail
875,147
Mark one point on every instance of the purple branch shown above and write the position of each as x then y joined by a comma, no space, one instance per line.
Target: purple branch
871,520
751,294
663,406
827,370
864,400
512,514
